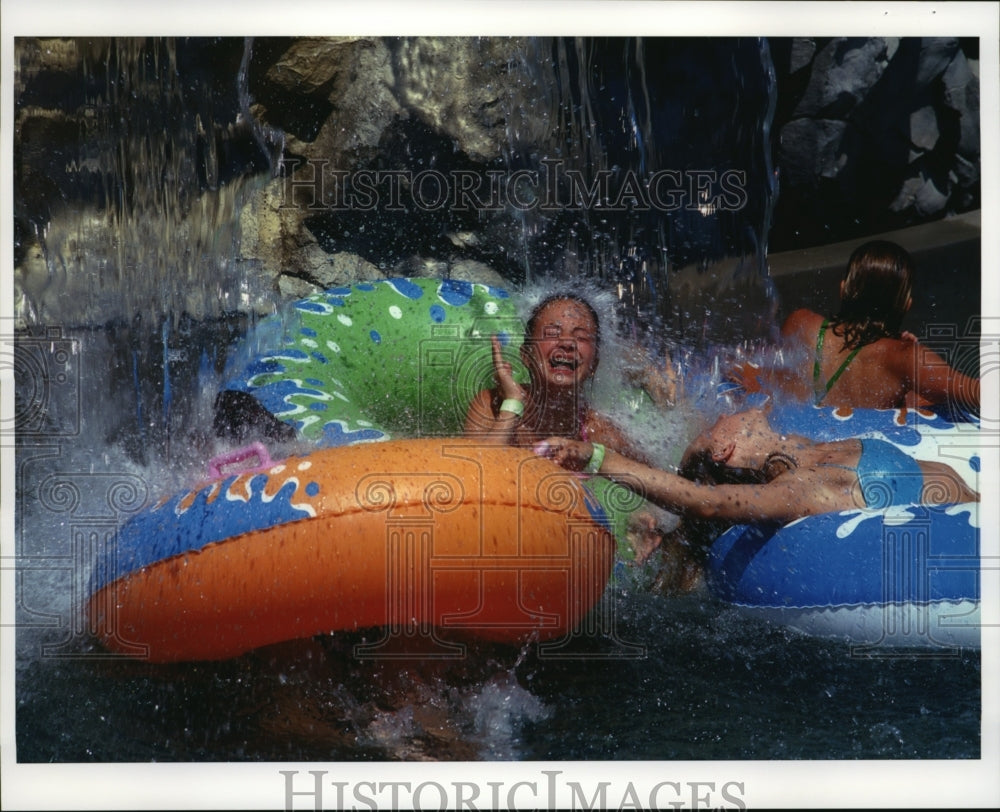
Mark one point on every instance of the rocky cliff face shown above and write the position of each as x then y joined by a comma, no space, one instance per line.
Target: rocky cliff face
305,162
873,135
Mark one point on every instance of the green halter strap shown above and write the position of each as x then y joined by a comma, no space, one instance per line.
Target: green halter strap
818,391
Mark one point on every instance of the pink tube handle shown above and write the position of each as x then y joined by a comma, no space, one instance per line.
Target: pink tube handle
257,450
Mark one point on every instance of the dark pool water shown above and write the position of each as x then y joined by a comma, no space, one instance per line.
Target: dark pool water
679,679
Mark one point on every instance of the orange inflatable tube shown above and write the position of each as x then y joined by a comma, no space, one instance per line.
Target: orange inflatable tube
438,539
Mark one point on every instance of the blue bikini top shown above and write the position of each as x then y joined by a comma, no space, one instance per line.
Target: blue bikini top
887,475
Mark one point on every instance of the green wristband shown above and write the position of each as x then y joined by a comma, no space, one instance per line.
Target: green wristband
596,459
512,405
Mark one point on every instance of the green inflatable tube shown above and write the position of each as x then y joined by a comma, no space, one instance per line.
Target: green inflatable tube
390,358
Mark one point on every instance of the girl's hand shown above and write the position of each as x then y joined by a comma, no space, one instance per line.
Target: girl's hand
746,376
660,383
503,372
570,454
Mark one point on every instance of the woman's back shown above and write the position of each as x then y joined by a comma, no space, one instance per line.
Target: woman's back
887,373
875,376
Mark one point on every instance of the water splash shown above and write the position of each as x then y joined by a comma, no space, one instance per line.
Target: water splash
157,233
501,708
629,118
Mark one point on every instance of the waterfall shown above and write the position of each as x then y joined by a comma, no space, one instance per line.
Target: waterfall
648,163
147,224
141,245
659,156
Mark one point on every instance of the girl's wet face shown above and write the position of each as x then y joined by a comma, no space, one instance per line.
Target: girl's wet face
563,344
741,440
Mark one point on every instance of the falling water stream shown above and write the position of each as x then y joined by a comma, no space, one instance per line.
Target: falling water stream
156,295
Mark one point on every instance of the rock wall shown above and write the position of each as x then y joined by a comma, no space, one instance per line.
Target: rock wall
391,108
873,135
868,134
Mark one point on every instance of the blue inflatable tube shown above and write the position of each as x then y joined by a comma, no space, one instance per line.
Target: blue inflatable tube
900,577
904,576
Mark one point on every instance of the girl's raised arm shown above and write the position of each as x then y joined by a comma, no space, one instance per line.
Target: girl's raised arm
480,421
781,500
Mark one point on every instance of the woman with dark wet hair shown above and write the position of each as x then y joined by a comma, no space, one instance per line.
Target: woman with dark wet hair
772,477
861,357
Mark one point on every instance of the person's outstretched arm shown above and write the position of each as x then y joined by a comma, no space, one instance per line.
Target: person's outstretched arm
935,381
778,500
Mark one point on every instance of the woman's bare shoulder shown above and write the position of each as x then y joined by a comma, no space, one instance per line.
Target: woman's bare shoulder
801,322
891,352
